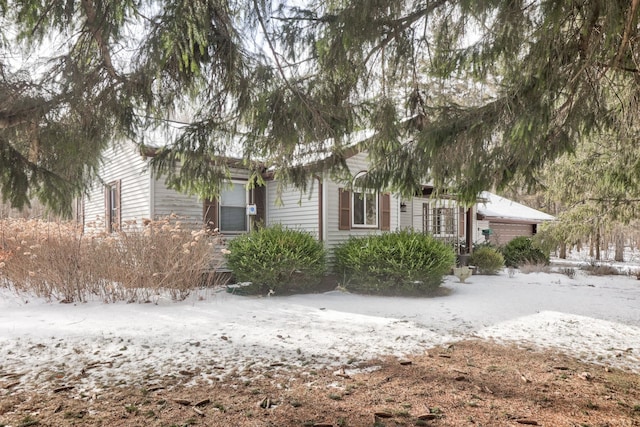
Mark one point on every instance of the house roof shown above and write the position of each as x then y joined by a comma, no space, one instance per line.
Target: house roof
496,207
158,138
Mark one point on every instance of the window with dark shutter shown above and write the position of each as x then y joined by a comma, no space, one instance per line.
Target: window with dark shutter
364,206
229,212
233,209
361,210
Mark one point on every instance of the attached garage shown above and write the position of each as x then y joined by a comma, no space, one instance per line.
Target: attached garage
507,219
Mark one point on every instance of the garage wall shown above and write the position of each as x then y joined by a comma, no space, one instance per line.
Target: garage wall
503,233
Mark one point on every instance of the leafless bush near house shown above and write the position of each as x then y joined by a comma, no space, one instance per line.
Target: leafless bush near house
596,269
140,263
534,268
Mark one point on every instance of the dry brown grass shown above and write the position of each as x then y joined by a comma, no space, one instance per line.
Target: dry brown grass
473,383
527,268
137,264
596,269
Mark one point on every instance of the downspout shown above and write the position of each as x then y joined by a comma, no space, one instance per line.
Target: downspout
320,209
152,198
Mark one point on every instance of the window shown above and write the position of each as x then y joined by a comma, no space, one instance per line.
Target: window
228,213
233,209
444,221
363,209
439,221
112,206
365,206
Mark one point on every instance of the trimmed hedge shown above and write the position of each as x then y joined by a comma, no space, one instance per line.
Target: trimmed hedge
520,251
487,260
398,263
278,259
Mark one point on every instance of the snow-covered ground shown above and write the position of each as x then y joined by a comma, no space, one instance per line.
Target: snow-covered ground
213,334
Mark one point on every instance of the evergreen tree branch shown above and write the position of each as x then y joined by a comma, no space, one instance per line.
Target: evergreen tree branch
99,36
628,28
400,25
618,66
274,52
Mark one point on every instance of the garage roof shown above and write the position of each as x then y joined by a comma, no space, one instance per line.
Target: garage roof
497,207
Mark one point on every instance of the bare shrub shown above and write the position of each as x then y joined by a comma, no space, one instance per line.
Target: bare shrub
596,269
527,268
570,272
140,263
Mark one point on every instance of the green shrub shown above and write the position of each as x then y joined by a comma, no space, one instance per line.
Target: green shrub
487,260
278,259
521,251
399,263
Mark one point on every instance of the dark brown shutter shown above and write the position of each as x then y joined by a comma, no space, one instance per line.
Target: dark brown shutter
107,208
385,212
210,214
344,209
260,199
117,221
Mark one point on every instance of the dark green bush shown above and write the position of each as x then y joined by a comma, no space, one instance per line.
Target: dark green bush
487,260
521,251
278,259
399,263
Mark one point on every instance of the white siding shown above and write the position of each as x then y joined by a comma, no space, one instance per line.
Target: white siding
334,236
142,194
188,207
406,218
121,162
167,201
297,210
417,220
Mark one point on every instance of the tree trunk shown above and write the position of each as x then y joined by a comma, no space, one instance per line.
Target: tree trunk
619,239
563,251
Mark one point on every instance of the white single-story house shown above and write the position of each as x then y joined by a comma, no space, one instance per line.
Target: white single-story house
501,220
129,191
